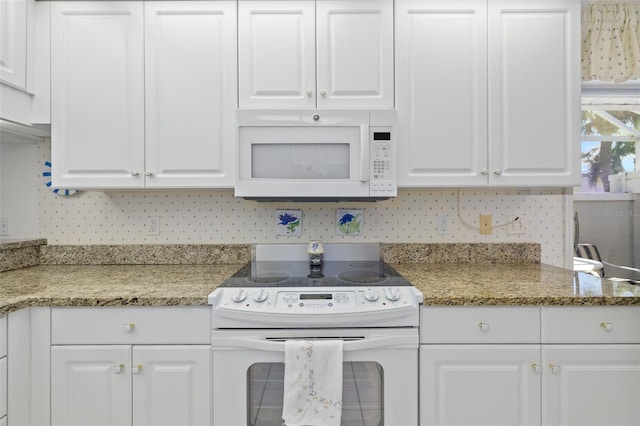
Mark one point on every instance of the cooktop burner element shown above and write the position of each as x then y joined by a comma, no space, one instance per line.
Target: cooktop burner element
302,274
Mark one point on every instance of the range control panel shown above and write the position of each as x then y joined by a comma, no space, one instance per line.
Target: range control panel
383,181
295,300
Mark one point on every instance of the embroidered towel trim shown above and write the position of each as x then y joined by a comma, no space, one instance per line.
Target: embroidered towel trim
312,383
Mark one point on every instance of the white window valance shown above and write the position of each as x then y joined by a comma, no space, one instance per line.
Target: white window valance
611,42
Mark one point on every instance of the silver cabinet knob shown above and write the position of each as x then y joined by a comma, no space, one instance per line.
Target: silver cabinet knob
309,93
323,93
606,326
484,171
554,368
135,173
136,369
148,173
497,172
118,369
536,367
128,327
484,327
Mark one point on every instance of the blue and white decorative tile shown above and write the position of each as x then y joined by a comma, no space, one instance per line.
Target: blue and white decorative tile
289,223
349,221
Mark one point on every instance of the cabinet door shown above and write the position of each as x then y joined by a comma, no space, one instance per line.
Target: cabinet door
355,53
441,84
90,385
479,385
534,90
172,386
190,95
13,43
276,54
97,94
591,385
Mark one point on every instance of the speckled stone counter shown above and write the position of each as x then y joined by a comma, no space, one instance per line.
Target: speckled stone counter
16,254
111,285
513,284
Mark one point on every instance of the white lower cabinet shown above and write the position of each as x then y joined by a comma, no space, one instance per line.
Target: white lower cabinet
150,380
3,370
123,385
472,373
480,385
569,366
592,366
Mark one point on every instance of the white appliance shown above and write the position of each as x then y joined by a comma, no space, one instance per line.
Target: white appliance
357,299
316,155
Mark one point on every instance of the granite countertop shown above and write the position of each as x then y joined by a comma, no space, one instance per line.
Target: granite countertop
110,285
441,284
514,284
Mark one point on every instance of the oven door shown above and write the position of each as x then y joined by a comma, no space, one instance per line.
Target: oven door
292,155
380,384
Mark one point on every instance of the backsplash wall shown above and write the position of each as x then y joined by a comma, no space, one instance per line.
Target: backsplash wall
216,216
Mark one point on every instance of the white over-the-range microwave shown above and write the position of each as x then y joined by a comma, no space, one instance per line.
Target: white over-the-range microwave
316,155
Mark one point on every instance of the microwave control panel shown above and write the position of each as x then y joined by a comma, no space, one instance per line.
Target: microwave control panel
382,181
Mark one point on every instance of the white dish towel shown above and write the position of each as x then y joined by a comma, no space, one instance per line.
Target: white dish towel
312,383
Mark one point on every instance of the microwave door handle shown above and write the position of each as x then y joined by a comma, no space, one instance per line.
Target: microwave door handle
364,160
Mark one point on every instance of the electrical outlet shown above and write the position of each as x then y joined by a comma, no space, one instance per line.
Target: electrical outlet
516,227
154,225
486,226
4,226
443,224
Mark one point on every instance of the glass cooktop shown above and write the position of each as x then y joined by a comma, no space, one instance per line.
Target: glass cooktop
328,274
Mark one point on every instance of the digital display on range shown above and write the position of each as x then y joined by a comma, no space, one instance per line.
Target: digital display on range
316,296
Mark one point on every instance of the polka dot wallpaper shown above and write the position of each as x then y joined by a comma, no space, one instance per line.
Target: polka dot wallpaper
216,216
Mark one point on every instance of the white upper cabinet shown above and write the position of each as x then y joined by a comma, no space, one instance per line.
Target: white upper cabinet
488,92
441,68
534,86
13,43
97,94
190,96
315,54
143,94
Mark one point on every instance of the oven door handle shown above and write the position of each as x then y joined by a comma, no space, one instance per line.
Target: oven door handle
350,343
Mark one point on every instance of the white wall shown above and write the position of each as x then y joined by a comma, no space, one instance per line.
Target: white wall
216,216
19,178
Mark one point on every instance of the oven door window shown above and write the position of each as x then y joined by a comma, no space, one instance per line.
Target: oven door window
362,394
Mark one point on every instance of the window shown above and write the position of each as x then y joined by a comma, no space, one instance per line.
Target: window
610,136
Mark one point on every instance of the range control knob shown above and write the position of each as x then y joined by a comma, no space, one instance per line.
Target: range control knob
392,294
239,296
260,296
371,295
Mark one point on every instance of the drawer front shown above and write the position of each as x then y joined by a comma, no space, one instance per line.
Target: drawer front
591,324
480,324
3,336
146,325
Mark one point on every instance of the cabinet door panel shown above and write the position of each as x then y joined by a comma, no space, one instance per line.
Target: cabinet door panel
97,94
591,385
85,388
190,93
13,43
355,54
276,54
441,68
173,386
534,91
479,385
